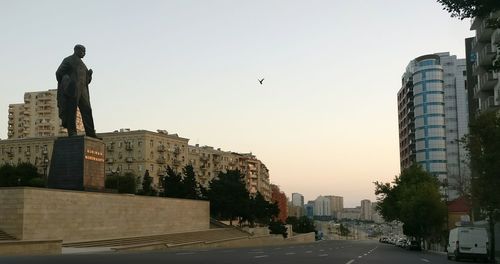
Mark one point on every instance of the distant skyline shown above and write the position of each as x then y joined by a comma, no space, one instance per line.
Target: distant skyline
324,121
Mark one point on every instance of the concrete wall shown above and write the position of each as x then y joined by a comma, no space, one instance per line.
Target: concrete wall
24,248
41,214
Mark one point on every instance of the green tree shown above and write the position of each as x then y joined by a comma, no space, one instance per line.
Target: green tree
301,225
278,227
190,188
344,230
228,196
23,174
147,185
172,184
127,183
483,145
413,199
470,8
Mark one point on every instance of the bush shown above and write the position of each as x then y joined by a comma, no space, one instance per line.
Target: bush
111,182
278,227
127,183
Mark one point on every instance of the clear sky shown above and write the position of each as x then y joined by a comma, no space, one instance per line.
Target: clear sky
325,119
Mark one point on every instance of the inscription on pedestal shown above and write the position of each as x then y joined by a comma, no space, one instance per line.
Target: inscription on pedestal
77,164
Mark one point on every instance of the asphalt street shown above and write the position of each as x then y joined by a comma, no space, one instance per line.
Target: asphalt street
341,252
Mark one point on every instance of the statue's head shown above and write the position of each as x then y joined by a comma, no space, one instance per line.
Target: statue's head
79,51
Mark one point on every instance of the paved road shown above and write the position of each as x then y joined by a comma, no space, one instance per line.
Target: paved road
341,252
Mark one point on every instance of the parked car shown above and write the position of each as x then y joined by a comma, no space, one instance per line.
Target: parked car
414,245
468,242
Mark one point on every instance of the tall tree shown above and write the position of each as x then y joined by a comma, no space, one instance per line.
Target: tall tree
172,184
470,8
147,185
414,199
190,187
228,196
483,144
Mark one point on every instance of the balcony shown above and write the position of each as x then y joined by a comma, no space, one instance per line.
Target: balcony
110,160
110,148
27,153
161,160
488,80
161,148
487,54
129,159
488,103
495,39
128,146
483,32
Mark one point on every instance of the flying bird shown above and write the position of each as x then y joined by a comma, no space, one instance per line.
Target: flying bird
260,81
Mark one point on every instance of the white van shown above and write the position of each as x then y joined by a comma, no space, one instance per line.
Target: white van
468,242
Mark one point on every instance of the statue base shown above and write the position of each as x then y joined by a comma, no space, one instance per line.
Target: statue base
77,164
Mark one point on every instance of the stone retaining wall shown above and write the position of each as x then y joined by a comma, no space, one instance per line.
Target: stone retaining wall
41,214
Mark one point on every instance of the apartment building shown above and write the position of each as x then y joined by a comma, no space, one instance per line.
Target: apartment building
140,150
209,162
34,150
336,205
322,206
366,210
38,116
433,117
297,199
482,52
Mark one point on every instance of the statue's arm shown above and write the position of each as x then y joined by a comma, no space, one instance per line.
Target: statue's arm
63,69
89,75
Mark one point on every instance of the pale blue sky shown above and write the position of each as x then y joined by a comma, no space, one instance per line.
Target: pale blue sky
325,120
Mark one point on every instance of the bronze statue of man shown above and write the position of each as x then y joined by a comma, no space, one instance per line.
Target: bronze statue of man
73,80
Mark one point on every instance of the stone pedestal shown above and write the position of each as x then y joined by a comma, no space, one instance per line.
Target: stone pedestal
77,164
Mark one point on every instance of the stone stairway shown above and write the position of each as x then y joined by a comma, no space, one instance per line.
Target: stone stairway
5,236
177,238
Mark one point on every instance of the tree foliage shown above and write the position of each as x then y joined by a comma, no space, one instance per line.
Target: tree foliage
127,183
301,225
229,198
278,228
181,185
413,199
23,174
147,185
260,211
470,8
483,145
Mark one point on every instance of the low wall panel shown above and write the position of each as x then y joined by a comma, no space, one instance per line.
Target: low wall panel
76,216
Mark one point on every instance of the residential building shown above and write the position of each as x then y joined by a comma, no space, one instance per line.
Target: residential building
366,210
140,150
351,213
34,150
336,205
297,199
38,116
482,52
322,206
433,117
309,209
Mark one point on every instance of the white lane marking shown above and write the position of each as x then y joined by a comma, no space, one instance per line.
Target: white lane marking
350,261
360,256
184,253
321,250
309,251
256,252
290,253
323,255
262,256
227,251
424,260
277,248
365,254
